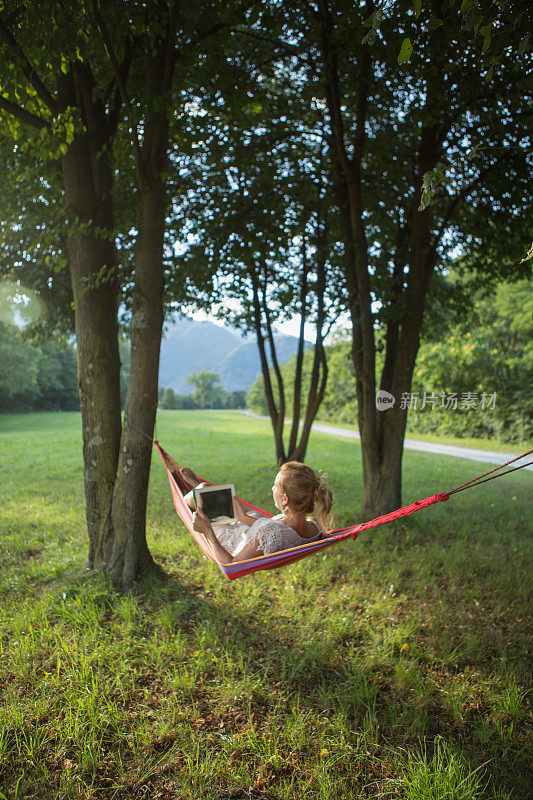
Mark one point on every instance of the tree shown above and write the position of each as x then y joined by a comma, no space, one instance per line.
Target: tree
164,37
34,376
124,548
339,402
56,100
388,130
168,399
235,399
207,392
471,378
57,377
100,67
18,371
260,225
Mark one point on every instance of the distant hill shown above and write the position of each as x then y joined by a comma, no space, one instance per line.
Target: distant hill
190,346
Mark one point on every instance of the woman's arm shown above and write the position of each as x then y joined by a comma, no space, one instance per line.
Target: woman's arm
241,514
203,525
190,498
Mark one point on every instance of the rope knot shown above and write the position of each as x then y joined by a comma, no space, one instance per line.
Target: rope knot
442,497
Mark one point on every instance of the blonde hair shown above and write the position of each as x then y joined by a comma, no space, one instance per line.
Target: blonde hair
305,489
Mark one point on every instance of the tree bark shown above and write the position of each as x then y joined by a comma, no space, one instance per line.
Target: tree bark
277,415
88,181
297,392
131,557
403,336
319,372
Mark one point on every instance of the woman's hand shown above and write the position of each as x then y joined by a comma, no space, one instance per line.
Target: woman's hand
202,524
239,512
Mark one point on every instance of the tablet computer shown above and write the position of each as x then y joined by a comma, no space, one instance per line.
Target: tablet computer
216,501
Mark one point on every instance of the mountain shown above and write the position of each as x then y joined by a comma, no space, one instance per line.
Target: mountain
189,346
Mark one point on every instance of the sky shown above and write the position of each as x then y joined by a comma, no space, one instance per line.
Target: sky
289,327
24,306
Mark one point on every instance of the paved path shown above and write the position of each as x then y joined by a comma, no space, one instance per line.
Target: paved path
487,456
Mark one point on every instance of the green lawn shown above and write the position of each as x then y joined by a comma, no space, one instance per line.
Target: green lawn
396,666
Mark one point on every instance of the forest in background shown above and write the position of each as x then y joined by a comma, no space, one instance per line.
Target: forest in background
42,374
36,377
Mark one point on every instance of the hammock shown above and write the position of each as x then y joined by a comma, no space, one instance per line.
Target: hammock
238,569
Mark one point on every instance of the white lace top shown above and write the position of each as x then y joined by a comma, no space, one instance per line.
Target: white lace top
269,534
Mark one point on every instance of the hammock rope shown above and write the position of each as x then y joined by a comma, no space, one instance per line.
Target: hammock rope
237,569
476,481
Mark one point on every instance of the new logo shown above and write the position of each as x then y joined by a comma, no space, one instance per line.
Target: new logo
384,400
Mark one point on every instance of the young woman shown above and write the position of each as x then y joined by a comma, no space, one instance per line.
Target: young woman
296,492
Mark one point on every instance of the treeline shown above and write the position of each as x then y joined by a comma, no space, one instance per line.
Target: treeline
472,375
36,377
207,393
43,376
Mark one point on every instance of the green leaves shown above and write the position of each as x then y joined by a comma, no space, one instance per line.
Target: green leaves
529,255
431,180
486,32
405,51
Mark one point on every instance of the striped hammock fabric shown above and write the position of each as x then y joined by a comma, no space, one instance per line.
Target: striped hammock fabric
238,569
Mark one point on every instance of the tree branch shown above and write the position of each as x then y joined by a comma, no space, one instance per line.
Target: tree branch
170,54
300,354
317,386
117,72
113,89
205,35
104,35
275,415
28,69
332,86
22,114
290,48
275,362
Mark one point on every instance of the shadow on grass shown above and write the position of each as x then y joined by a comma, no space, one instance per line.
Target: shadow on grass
380,713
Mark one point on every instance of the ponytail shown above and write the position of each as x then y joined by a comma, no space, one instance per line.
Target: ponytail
305,490
323,501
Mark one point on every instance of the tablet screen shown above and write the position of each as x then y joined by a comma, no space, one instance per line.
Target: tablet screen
216,501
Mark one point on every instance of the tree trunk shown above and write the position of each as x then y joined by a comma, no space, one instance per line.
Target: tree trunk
277,415
88,178
319,373
131,558
382,432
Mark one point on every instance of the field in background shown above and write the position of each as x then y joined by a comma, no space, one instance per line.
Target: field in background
396,666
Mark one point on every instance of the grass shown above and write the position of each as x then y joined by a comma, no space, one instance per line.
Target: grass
393,667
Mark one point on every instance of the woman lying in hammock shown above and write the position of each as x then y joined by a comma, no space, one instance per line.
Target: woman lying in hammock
296,492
